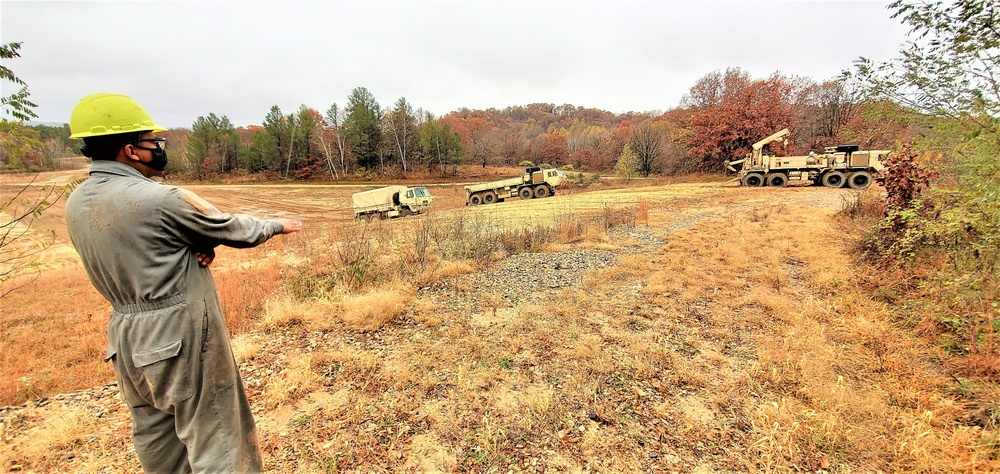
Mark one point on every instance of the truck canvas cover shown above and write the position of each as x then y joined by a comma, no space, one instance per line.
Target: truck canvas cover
376,197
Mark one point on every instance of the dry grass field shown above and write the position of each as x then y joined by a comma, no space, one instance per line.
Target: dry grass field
654,328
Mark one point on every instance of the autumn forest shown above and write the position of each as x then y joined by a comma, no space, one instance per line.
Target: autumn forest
723,113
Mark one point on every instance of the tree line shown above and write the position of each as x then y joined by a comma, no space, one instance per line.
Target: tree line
722,115
719,118
359,138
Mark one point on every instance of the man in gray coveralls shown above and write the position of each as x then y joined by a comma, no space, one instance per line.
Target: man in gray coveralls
146,247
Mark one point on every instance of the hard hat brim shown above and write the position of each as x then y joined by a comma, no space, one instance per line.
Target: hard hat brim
102,131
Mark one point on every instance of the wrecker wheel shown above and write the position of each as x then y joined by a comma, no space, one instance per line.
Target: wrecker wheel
833,179
777,180
859,180
753,180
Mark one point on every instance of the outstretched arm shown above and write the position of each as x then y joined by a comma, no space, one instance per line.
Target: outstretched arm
199,225
288,226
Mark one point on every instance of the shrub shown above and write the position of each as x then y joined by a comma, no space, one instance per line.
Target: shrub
946,236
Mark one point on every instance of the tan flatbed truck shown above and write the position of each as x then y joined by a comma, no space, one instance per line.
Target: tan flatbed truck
534,183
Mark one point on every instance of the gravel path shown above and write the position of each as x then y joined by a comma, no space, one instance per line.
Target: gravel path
530,277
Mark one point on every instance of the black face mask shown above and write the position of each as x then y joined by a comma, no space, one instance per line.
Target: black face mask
159,161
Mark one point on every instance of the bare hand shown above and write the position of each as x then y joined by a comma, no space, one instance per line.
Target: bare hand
290,225
205,257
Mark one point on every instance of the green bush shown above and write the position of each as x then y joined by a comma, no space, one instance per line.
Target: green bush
526,164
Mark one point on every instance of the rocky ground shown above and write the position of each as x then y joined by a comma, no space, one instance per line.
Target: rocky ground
530,277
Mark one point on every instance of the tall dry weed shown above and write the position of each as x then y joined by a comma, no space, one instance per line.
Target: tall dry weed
612,216
245,289
374,309
297,379
642,208
571,229
419,255
55,434
357,253
867,206
245,348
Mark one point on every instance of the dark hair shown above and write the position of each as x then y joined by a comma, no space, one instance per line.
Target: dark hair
105,147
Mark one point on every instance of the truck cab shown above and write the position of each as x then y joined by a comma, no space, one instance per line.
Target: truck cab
416,198
536,175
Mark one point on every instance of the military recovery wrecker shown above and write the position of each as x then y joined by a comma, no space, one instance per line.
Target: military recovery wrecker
836,167
534,183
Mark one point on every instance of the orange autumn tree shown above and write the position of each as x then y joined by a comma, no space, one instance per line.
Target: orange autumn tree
554,150
731,111
478,141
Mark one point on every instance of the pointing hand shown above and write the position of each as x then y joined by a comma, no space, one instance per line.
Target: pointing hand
290,225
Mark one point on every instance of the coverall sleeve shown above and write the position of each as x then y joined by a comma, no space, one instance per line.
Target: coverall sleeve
190,219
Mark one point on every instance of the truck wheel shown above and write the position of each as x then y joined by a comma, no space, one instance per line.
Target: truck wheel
777,180
489,198
542,192
859,180
526,193
753,180
833,179
476,200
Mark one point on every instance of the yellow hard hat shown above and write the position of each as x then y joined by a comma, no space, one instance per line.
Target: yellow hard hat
109,114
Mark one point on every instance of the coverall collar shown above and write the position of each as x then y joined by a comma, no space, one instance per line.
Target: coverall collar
114,168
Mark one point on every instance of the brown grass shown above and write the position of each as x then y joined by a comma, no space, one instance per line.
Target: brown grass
54,337
296,379
742,343
245,287
56,434
375,309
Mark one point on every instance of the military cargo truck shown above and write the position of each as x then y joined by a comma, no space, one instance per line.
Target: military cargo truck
839,166
534,183
390,202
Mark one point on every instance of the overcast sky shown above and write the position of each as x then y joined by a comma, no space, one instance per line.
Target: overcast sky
185,59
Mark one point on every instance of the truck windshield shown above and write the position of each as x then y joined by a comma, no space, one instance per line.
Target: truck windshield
421,192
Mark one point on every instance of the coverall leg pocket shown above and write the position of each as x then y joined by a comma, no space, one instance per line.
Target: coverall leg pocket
164,351
165,371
